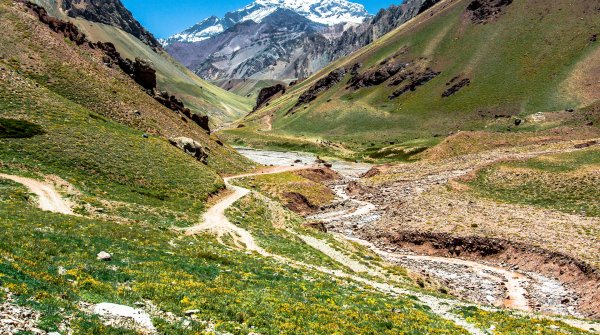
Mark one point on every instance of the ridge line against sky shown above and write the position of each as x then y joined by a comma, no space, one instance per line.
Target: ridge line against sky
164,18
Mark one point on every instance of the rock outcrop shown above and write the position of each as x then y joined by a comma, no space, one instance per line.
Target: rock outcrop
484,11
320,86
140,70
267,93
191,147
121,316
414,81
379,73
110,12
456,86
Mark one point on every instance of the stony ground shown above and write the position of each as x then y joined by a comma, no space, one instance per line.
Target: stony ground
426,197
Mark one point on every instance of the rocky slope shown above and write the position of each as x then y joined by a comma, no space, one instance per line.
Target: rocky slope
110,12
234,48
329,12
284,45
111,22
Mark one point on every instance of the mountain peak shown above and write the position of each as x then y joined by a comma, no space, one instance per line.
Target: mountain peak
325,12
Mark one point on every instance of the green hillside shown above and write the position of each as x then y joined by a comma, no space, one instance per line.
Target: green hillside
92,135
92,119
197,94
533,57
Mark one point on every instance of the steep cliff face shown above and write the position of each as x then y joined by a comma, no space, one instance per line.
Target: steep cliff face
284,45
111,12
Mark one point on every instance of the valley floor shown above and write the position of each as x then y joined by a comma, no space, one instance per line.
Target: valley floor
359,248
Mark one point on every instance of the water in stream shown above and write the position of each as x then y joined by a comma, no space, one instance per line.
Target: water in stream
291,158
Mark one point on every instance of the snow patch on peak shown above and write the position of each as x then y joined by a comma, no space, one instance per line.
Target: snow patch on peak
326,12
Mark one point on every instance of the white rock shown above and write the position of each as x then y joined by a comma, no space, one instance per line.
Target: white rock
104,256
141,318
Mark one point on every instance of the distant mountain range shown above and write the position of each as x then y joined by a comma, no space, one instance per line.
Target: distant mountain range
283,39
328,12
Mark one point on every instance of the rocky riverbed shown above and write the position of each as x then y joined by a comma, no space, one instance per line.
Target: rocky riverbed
477,281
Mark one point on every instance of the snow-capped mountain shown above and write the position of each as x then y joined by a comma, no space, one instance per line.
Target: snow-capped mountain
283,44
326,12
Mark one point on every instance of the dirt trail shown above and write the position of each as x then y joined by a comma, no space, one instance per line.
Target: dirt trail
48,197
215,221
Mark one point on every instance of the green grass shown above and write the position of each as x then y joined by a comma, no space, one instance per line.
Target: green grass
100,157
254,215
517,64
567,182
506,323
238,292
277,185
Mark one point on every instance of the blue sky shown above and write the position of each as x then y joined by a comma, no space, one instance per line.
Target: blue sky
166,17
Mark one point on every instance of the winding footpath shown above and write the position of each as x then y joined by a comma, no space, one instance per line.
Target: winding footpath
515,283
216,222
48,198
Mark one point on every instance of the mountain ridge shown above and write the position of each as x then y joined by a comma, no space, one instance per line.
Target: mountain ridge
329,12
287,55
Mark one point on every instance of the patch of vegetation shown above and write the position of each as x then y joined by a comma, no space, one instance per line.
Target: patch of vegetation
506,323
567,182
275,234
278,186
11,128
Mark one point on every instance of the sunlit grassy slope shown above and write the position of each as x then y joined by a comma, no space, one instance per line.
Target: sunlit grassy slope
199,95
539,56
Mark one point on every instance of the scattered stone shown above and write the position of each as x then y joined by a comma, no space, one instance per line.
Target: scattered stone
190,147
119,315
191,312
104,256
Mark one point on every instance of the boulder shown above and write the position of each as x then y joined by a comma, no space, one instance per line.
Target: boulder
104,256
320,226
202,121
190,147
116,313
